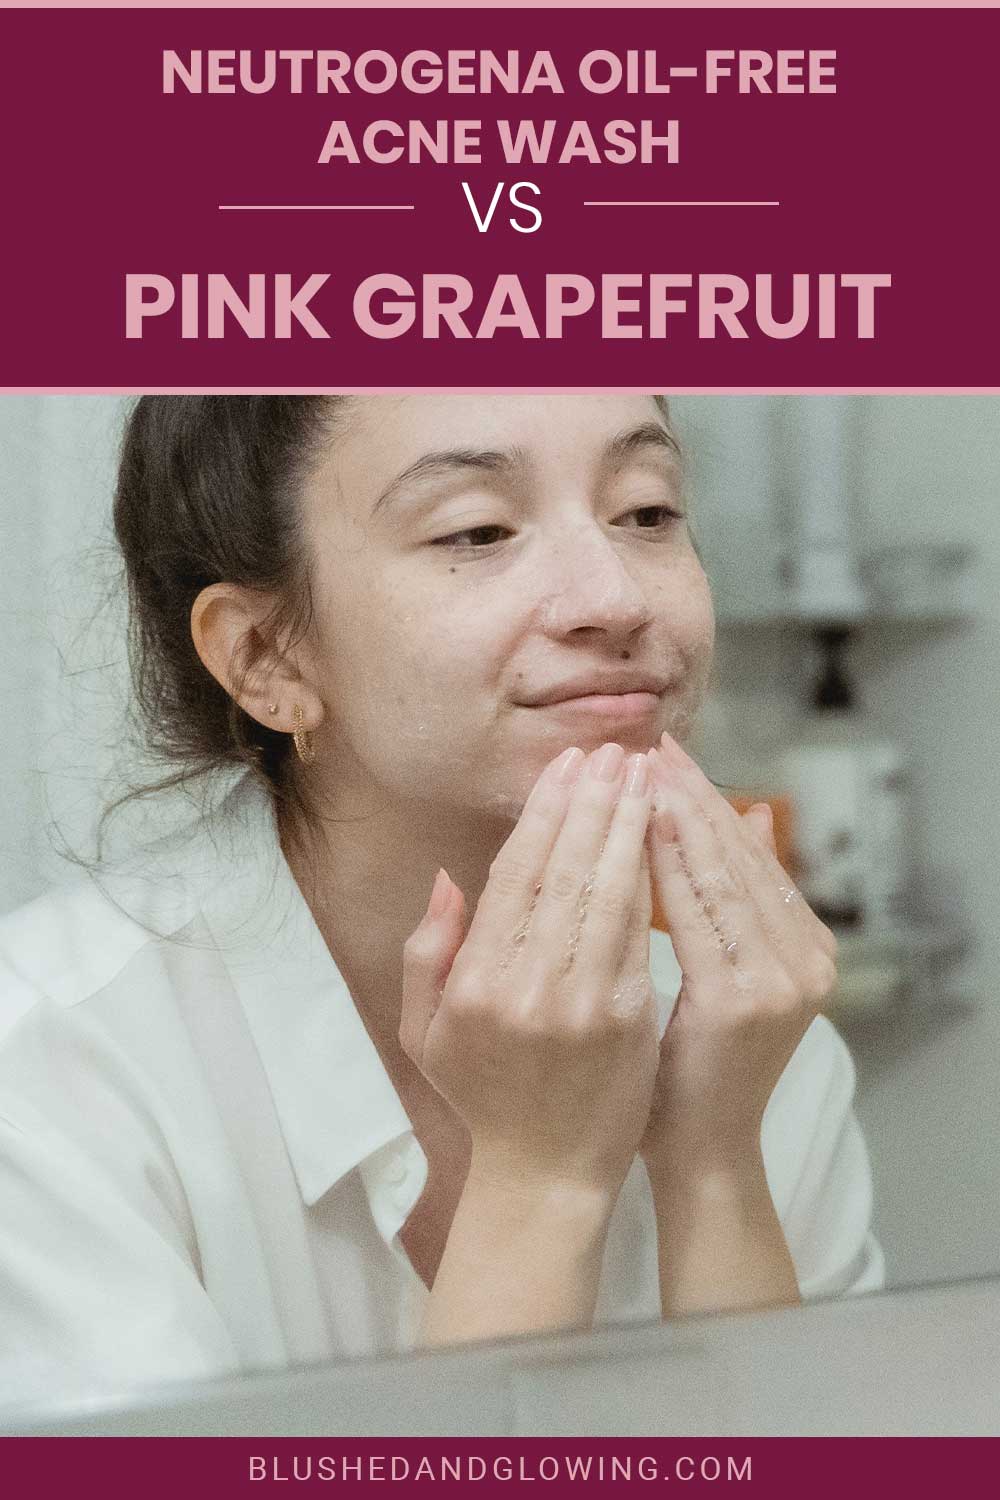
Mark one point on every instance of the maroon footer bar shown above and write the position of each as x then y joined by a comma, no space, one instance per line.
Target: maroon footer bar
775,1467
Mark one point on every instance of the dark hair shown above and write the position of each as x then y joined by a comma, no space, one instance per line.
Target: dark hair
207,491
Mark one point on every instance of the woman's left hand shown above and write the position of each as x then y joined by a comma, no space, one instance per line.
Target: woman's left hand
757,964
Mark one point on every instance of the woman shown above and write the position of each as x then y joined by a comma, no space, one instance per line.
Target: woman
372,1058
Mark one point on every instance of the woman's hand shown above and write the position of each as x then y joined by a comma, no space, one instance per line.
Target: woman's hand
757,965
539,1025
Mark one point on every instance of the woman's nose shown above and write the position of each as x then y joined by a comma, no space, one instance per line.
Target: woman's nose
588,583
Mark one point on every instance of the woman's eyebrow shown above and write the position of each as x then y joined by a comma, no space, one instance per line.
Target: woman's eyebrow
625,445
617,451
452,461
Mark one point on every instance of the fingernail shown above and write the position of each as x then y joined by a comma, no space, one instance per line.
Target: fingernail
672,752
439,895
566,768
636,776
607,762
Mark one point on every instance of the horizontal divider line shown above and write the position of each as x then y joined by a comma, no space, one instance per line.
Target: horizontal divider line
317,207
672,203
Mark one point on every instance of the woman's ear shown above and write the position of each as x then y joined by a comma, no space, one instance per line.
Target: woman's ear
229,630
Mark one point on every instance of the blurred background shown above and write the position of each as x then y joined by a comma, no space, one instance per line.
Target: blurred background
853,544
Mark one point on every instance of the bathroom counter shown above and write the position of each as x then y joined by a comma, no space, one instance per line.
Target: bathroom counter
923,1361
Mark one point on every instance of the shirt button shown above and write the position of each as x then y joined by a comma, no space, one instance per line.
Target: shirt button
396,1173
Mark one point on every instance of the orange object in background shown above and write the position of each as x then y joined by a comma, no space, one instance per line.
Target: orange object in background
783,812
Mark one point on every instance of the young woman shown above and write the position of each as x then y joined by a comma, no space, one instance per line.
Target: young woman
372,1056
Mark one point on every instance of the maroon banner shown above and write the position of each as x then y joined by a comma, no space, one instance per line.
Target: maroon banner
640,198
773,1467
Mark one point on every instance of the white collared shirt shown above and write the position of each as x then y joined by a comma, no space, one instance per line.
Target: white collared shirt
204,1165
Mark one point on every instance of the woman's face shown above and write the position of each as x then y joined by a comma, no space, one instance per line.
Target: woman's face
472,554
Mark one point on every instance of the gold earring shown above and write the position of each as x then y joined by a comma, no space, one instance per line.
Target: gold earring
272,708
302,737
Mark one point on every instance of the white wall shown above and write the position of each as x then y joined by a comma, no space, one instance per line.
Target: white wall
25,697
62,652
926,467
933,1110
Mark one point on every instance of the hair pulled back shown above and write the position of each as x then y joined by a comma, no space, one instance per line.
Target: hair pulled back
207,491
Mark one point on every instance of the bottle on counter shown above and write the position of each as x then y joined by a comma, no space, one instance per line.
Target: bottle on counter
849,795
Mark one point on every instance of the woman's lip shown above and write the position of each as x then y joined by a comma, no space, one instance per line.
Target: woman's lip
606,705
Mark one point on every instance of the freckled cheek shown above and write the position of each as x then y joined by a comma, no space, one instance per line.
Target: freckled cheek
431,660
699,653
701,637
684,604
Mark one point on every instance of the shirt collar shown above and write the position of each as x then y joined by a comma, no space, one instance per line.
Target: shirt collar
335,1101
334,1098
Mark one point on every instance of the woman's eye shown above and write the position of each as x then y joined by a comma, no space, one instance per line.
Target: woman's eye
663,514
454,540
486,536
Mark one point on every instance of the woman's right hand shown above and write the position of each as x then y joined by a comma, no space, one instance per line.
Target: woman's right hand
539,1025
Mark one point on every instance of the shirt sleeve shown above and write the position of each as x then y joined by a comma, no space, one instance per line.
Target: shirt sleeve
819,1172
98,1290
